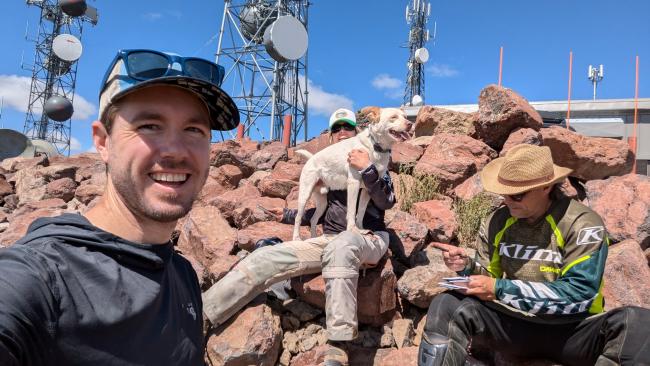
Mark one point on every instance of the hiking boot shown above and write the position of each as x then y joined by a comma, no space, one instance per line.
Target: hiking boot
336,354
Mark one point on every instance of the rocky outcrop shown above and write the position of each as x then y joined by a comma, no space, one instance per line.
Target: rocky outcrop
521,136
627,276
434,120
589,157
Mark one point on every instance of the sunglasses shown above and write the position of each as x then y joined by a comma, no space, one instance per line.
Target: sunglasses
517,197
345,126
148,64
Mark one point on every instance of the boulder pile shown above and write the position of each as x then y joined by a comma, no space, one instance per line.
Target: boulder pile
250,183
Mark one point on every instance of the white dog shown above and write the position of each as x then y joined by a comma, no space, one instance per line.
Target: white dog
330,168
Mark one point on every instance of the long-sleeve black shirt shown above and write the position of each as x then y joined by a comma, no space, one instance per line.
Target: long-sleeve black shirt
73,294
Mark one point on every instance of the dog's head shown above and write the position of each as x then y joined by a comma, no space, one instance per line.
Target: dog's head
389,125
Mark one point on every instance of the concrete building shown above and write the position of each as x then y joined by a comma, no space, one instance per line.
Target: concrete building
612,118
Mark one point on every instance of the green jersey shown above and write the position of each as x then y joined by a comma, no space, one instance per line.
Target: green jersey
551,269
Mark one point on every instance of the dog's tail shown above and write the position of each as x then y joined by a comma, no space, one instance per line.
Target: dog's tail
304,153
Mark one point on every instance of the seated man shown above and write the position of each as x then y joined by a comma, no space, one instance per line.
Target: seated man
538,275
107,287
337,253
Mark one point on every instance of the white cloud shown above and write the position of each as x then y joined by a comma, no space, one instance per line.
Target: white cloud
75,145
441,71
14,90
324,103
152,16
92,149
385,81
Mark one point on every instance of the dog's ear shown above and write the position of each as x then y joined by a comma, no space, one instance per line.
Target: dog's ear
369,114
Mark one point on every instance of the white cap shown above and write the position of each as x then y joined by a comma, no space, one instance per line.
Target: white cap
344,115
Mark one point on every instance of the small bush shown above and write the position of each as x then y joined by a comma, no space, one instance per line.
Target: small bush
470,214
414,187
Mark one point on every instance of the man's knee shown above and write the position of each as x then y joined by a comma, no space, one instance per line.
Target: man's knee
343,251
262,264
449,308
631,318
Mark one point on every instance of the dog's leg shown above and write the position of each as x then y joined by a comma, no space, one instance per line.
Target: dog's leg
321,205
364,199
354,184
307,183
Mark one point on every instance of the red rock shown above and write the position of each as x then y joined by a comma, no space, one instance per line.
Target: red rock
314,145
5,187
210,191
376,301
454,158
3,216
208,238
90,168
33,206
11,165
228,201
256,177
85,193
18,225
268,155
63,188
419,285
439,218
397,357
252,337
500,111
589,157
231,152
247,237
315,356
292,199
227,175
404,153
624,204
434,120
10,202
249,212
521,136
627,276
281,181
410,235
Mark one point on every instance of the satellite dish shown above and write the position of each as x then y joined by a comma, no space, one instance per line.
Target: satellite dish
67,47
255,18
73,8
13,144
421,55
43,147
417,100
58,108
286,39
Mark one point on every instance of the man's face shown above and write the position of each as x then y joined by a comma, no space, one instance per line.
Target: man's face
531,204
158,152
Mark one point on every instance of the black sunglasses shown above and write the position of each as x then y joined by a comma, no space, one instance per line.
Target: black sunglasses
345,126
149,64
517,197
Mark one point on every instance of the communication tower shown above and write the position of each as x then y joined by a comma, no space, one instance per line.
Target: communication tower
417,16
54,73
263,46
595,74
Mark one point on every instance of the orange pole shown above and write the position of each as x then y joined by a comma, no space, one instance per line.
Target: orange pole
568,109
240,132
500,64
286,131
636,113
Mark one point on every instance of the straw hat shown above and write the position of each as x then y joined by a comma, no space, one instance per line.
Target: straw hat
525,167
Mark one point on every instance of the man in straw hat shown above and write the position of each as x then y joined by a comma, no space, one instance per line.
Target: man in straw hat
536,280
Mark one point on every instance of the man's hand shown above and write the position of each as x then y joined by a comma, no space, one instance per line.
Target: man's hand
455,258
483,287
358,159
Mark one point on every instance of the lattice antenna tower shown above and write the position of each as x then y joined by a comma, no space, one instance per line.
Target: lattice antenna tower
417,16
54,72
263,46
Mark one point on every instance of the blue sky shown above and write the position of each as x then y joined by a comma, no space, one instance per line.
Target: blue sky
356,56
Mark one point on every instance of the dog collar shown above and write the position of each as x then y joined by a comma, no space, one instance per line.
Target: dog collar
377,147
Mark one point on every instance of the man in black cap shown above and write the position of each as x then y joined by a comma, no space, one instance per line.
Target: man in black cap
107,287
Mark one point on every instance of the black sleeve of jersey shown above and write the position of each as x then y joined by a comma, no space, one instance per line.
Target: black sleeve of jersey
27,304
379,188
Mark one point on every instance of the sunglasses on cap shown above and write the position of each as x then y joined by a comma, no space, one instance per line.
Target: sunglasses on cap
345,126
143,65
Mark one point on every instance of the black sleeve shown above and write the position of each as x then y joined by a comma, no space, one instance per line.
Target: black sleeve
27,319
289,216
379,188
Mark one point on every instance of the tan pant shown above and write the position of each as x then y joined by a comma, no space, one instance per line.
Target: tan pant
337,256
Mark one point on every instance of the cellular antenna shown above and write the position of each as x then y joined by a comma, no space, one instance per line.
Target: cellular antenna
54,73
263,46
595,74
417,15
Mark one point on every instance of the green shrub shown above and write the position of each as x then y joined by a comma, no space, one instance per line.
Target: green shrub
414,187
470,214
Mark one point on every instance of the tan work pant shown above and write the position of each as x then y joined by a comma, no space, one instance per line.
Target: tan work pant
338,257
